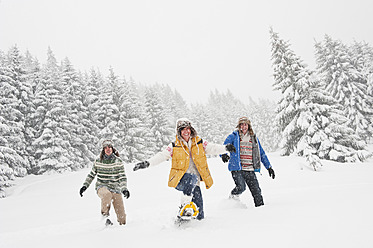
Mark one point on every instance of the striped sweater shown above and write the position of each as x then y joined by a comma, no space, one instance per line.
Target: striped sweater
110,174
246,152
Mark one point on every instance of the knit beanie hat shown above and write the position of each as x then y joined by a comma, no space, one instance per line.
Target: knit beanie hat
106,143
183,123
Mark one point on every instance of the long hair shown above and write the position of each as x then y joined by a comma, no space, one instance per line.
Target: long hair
115,152
250,130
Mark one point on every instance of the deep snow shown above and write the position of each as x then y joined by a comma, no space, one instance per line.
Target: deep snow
303,208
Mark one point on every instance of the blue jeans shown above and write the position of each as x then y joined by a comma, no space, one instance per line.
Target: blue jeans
241,178
188,185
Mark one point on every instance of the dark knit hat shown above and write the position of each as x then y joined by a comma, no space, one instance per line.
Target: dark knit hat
183,123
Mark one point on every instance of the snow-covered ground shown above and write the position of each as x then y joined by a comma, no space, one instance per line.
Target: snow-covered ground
329,208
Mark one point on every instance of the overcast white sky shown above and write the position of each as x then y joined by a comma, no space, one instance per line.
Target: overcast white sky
194,46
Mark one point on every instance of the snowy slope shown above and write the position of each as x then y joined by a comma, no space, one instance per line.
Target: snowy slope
329,208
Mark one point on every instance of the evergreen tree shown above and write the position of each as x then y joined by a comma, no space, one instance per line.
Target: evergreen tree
76,112
93,87
165,95
343,78
24,98
107,114
179,107
52,144
157,121
214,118
291,79
32,69
322,130
326,134
199,119
11,163
135,134
361,55
117,85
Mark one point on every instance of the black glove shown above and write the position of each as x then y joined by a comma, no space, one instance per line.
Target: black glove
141,165
230,148
126,193
271,173
225,157
82,189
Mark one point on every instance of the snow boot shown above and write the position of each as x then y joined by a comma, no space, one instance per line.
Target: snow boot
234,197
108,222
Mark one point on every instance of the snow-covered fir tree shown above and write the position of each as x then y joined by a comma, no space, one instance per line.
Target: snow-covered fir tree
198,117
77,114
343,77
361,54
22,110
107,115
326,134
179,107
210,118
168,101
215,119
115,85
135,134
32,68
93,85
52,143
12,164
318,128
158,125
290,78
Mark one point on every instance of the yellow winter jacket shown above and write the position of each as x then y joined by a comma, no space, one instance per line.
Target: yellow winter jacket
181,158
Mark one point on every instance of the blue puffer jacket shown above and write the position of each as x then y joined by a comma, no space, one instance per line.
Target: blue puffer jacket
258,153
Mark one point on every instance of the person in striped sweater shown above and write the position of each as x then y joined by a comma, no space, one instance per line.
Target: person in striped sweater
111,182
246,161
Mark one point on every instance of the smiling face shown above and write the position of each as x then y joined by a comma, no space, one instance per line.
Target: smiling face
185,133
244,127
108,150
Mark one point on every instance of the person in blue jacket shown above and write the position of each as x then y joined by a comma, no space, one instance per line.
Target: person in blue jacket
246,161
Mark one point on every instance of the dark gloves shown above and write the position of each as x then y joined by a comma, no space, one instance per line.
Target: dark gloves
271,173
141,165
82,189
225,157
126,193
230,148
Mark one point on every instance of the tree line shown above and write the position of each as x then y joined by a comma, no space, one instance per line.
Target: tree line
54,117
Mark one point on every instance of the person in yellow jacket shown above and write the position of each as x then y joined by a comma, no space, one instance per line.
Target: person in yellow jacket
189,167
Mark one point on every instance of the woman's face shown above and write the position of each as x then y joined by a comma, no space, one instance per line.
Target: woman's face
185,133
244,127
108,150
